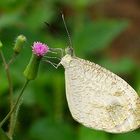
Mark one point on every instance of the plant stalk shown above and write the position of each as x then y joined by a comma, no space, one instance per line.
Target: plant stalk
15,105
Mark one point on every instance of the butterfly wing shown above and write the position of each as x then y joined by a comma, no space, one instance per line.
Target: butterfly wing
98,98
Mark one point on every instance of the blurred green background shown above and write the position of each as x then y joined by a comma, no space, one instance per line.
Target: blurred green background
104,31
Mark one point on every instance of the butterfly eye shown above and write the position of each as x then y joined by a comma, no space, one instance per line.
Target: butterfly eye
69,51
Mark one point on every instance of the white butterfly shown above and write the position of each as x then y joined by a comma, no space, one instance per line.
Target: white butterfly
98,98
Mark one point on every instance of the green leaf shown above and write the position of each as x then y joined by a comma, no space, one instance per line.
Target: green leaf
1,45
4,3
38,15
3,82
45,129
81,3
90,134
29,97
3,136
9,19
97,36
85,2
123,65
128,136
136,79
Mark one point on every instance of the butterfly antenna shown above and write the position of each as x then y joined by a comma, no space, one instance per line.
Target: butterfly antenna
70,42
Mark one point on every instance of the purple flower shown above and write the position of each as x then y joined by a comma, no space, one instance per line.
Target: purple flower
40,49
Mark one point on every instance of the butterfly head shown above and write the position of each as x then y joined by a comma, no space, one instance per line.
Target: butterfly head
69,50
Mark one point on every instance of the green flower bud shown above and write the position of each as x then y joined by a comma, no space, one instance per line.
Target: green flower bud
19,43
32,68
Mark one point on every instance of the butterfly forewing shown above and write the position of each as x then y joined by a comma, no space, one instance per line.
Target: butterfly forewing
98,98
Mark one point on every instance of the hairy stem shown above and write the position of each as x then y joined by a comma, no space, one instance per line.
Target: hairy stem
7,70
8,78
12,117
15,105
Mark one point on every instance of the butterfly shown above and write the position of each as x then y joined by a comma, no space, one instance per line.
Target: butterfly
98,98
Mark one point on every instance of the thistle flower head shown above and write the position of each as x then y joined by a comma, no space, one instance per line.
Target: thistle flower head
39,49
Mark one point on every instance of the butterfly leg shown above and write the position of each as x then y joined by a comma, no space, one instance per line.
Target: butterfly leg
57,49
52,57
53,64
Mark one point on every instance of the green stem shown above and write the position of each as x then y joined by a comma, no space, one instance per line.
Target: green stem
6,65
12,59
15,105
8,78
3,58
7,70
12,118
